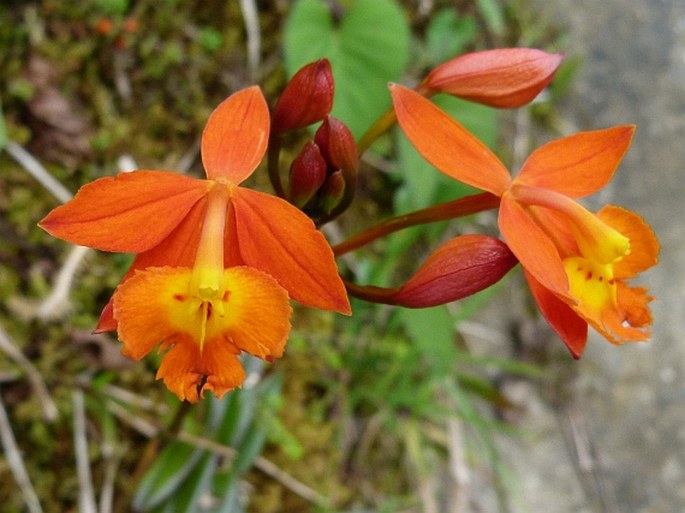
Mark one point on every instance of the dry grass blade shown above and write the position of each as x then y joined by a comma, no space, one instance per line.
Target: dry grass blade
36,170
16,463
86,491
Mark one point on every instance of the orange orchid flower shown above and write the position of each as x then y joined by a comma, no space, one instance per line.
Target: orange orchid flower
216,262
577,263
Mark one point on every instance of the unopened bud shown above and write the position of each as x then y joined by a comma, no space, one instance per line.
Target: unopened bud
459,268
306,99
337,146
332,191
504,77
307,175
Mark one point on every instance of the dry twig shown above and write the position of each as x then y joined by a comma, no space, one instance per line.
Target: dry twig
254,41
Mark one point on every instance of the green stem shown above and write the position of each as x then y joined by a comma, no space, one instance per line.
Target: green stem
382,125
442,212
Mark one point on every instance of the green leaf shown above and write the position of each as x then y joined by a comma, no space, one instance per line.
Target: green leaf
368,48
432,332
447,34
172,466
187,496
493,15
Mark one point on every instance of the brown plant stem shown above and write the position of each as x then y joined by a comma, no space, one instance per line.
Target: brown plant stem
442,212
371,293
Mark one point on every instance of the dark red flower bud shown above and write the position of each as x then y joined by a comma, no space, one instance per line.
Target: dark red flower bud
306,99
332,191
307,175
460,267
337,146
505,77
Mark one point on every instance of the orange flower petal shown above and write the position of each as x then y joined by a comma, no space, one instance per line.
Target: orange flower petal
280,240
143,306
183,369
531,245
644,246
617,312
613,327
128,213
570,327
236,135
155,306
579,164
257,318
446,144
633,302
178,369
221,366
177,250
503,77
460,267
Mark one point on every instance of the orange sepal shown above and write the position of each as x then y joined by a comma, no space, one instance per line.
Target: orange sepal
579,164
644,246
128,213
502,77
177,250
570,327
446,144
531,245
235,138
279,239
460,267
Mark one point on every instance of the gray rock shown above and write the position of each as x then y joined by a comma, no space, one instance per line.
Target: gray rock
611,436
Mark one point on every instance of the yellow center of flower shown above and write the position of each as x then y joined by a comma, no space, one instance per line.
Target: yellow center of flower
591,283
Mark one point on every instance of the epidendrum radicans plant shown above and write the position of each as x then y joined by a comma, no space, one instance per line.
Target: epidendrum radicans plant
217,263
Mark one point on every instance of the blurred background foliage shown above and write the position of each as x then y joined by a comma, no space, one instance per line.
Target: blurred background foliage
386,411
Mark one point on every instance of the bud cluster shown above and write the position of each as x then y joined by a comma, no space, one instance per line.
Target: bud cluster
325,170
